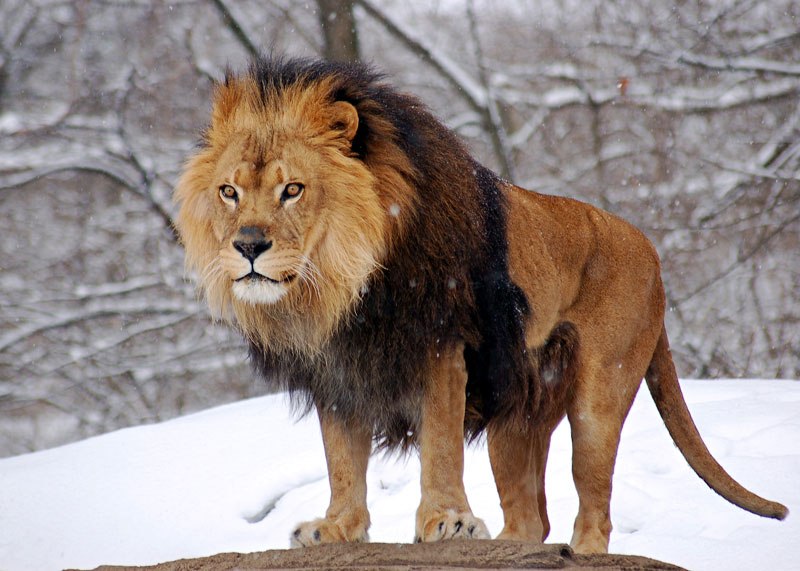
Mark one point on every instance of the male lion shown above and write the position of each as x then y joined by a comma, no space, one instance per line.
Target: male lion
412,297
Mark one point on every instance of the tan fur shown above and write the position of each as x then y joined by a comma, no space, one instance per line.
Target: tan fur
444,511
592,282
347,519
587,267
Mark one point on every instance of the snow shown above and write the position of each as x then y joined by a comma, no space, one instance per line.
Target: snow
239,477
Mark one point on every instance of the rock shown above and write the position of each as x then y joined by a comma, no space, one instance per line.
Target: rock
447,555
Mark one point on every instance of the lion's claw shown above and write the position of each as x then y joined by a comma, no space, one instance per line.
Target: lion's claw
452,525
325,531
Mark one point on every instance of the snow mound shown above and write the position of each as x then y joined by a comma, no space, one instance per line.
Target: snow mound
239,477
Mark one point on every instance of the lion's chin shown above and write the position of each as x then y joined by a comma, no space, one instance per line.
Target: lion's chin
259,291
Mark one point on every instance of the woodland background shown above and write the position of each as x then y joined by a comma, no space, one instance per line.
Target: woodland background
683,117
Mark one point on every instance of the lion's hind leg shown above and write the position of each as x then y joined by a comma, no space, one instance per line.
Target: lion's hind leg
347,451
519,444
595,438
519,457
602,399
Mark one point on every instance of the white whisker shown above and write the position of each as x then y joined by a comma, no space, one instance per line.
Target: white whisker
211,273
309,273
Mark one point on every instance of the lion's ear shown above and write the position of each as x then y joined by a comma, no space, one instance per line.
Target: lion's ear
344,118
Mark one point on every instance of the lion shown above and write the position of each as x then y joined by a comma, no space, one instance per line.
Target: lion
385,278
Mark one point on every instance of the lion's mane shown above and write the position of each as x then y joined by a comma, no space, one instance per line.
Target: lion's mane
443,277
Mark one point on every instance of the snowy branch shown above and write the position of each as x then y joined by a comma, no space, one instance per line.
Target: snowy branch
464,84
235,27
491,112
744,64
639,94
478,95
108,167
138,307
743,256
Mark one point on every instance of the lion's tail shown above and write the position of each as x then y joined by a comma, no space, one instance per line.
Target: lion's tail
662,380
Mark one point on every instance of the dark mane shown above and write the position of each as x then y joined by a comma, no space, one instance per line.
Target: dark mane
445,280
274,74
356,83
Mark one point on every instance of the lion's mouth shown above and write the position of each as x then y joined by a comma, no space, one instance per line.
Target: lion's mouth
255,277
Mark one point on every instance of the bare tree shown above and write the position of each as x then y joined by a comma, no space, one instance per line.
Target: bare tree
681,118
339,30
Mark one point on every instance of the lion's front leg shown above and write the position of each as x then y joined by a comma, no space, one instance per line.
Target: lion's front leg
444,512
347,450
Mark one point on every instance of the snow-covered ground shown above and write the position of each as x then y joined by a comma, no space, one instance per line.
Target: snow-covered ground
239,477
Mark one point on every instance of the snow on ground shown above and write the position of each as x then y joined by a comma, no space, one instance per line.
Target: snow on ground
239,477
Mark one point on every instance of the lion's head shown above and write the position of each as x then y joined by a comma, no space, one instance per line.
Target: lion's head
281,218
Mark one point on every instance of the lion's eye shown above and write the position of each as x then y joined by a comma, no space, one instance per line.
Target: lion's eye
228,193
291,190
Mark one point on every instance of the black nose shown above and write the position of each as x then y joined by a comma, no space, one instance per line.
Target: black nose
251,243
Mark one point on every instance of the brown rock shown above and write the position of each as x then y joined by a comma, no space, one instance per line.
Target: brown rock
444,556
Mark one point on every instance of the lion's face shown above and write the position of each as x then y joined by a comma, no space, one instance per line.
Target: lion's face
269,215
275,211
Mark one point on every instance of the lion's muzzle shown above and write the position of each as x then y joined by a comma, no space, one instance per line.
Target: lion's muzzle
259,276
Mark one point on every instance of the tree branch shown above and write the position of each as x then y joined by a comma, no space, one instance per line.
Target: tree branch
492,119
742,257
145,307
15,180
477,95
238,31
743,64
472,93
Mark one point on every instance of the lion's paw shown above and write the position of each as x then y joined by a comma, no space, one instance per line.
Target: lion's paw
451,524
325,531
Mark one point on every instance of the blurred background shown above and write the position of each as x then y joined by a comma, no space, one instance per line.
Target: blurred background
682,117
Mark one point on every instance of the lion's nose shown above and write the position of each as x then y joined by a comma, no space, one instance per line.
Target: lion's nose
252,249
251,243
